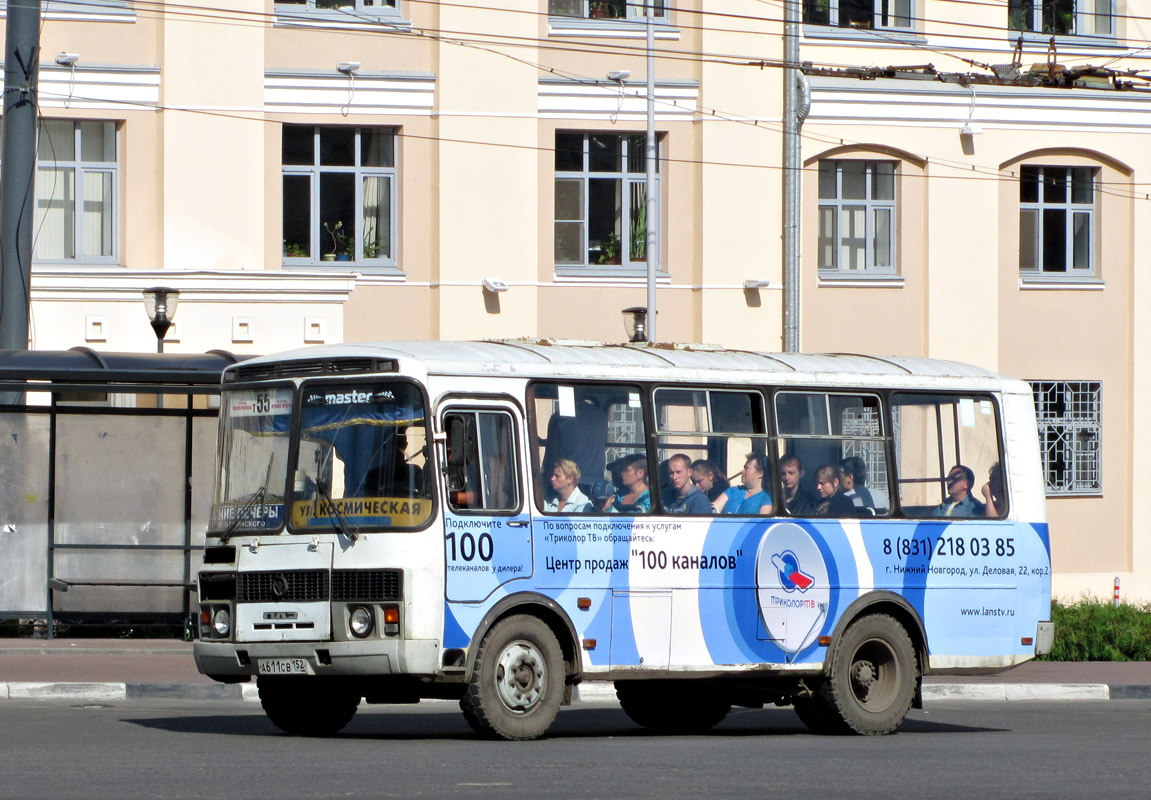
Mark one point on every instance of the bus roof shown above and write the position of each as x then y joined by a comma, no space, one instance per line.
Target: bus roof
567,359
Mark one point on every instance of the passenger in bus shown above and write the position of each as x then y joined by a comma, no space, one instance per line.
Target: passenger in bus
832,501
682,496
708,479
750,498
633,477
565,483
959,502
854,473
993,492
798,501
581,438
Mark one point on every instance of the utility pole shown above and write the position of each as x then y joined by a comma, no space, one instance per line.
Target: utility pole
791,173
18,175
651,160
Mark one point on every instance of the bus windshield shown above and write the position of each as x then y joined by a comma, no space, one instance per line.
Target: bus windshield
254,428
363,458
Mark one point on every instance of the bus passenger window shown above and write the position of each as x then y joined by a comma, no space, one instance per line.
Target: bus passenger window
832,455
596,431
947,453
717,432
481,466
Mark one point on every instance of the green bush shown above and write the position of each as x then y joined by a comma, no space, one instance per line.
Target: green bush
1095,630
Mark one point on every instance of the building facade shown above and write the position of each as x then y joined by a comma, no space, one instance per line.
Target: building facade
319,171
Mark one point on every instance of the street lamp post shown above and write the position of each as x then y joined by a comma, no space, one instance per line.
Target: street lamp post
160,304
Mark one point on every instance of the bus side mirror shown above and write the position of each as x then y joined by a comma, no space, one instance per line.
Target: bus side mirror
458,442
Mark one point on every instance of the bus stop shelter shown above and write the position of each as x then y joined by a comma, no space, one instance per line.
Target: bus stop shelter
106,463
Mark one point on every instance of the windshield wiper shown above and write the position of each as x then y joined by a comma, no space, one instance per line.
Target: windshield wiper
333,512
257,497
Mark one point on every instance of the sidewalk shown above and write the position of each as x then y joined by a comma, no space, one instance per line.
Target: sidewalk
108,669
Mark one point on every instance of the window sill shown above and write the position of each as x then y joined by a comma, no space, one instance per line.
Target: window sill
328,19
1041,282
610,28
342,266
840,280
1065,40
84,11
856,35
599,274
68,264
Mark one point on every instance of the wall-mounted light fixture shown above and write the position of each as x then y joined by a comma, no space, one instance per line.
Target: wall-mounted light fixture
347,67
968,129
635,323
160,305
619,75
756,283
494,285
67,59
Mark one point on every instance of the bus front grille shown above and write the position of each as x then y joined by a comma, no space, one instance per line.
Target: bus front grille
300,586
369,585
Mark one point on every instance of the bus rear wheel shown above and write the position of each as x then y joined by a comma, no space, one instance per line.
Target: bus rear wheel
306,706
517,682
667,707
873,674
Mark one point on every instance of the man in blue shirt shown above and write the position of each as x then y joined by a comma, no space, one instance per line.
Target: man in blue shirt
684,497
959,502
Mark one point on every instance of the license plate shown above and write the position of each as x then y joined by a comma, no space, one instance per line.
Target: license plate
282,666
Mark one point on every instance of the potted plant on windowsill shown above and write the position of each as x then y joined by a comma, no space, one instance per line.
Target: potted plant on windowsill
295,250
343,248
609,251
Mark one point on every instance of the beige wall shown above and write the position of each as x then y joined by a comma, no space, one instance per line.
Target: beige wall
200,189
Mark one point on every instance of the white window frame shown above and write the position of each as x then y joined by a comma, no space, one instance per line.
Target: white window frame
1071,211
1029,22
346,8
597,10
1070,419
883,17
81,170
841,209
318,244
630,181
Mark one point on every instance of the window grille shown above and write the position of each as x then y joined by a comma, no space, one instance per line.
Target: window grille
1070,433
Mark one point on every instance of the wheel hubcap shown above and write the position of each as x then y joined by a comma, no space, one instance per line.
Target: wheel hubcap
520,676
874,675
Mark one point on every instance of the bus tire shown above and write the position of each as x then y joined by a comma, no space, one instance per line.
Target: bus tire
306,706
814,713
517,683
873,673
659,707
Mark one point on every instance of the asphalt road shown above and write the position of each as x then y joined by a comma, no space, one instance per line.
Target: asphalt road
181,749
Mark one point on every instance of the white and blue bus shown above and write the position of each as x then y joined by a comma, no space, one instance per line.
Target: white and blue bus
495,522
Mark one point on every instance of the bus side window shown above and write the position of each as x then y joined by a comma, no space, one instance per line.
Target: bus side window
717,429
481,461
839,436
598,427
939,438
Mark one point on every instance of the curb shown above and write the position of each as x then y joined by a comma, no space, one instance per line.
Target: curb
588,692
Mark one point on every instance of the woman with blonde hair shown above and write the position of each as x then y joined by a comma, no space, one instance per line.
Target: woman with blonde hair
565,482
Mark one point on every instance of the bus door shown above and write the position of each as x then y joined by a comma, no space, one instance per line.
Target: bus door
487,524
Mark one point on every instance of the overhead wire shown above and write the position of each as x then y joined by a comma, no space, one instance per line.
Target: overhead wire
988,173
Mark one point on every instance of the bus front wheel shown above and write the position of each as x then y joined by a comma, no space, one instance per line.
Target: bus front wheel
873,673
517,682
306,706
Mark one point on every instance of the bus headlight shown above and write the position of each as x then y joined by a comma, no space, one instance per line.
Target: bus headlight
361,621
222,622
